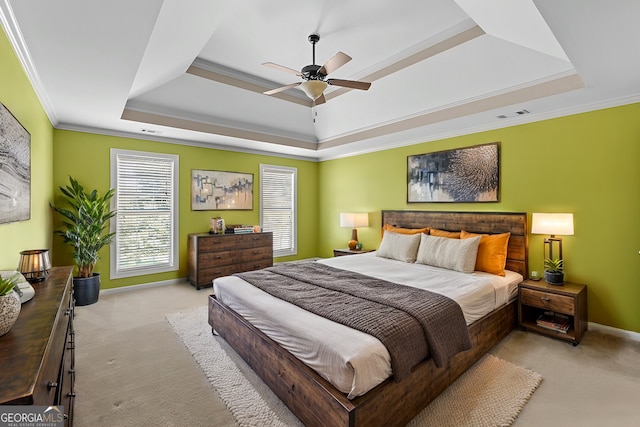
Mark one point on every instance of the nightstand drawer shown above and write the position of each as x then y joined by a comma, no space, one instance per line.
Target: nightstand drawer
554,302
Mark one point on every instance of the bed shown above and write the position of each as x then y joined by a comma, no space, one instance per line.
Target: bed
317,401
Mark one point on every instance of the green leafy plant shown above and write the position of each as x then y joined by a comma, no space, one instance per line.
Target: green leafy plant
85,224
554,265
7,285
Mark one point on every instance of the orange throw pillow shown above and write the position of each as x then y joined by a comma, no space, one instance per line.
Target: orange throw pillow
492,252
388,227
442,233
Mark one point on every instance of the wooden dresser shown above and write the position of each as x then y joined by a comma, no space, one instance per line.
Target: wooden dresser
37,354
217,255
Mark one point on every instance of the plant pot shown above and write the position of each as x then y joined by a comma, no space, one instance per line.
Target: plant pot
86,290
553,278
9,310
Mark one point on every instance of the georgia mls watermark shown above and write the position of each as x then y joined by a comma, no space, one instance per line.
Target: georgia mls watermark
31,416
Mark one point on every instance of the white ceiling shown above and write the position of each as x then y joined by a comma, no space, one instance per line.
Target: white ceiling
189,71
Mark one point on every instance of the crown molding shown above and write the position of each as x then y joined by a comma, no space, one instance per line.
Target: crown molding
12,29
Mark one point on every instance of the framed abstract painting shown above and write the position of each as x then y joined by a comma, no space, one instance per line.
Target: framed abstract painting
15,169
221,190
463,175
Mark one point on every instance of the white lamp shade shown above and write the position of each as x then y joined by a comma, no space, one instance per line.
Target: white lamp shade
354,220
313,88
555,224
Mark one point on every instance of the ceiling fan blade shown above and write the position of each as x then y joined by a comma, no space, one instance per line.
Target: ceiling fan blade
280,89
335,62
283,68
352,84
320,100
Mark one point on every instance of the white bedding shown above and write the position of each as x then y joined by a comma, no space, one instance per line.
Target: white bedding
353,361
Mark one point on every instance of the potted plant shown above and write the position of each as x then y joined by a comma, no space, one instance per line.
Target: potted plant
554,271
85,227
9,302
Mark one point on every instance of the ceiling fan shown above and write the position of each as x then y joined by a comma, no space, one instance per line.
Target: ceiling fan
314,76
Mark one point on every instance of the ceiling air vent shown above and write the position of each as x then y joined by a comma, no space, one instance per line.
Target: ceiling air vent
151,131
517,113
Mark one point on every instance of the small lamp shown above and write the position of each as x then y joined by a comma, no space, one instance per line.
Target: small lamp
553,224
354,220
34,264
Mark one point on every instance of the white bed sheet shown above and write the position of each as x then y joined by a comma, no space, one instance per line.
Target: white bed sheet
355,362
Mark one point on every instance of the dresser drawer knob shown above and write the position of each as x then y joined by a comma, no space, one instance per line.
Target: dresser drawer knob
545,299
51,385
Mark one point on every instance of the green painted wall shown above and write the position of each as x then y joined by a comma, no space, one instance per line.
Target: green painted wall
588,164
17,94
86,157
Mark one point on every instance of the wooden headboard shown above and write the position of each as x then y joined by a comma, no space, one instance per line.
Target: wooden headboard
473,222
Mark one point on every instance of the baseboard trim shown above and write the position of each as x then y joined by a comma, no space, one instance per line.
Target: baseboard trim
142,286
622,333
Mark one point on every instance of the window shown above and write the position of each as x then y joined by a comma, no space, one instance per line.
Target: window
278,186
146,223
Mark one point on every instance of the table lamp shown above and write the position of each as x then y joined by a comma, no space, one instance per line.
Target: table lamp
34,264
354,220
553,224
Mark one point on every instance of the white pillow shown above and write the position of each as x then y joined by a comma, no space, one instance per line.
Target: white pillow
401,247
454,254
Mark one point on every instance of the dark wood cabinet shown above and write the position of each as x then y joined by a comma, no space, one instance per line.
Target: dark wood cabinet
37,354
217,255
569,299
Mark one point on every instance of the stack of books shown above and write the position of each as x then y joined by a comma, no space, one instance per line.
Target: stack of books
243,230
554,321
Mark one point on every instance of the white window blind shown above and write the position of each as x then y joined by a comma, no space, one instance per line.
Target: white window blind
146,221
278,212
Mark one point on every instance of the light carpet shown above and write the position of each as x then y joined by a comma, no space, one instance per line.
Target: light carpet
491,393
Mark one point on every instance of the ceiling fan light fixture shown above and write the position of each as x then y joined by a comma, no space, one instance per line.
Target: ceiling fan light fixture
313,88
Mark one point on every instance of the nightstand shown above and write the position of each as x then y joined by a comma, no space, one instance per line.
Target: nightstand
570,299
347,251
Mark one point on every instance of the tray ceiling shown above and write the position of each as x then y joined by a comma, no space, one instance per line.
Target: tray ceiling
189,71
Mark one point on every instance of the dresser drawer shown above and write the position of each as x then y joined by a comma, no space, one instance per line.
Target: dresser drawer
206,275
222,258
549,301
253,240
216,243
257,264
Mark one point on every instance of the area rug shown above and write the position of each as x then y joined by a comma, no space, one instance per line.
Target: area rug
491,393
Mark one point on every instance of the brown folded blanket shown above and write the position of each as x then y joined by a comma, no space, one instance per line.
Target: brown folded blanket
411,323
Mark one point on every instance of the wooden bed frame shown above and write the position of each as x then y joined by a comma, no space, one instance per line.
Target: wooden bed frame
318,403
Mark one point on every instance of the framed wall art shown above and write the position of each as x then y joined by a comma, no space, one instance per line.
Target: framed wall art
220,190
463,175
15,169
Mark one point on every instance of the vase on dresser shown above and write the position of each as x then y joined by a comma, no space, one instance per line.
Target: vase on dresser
9,311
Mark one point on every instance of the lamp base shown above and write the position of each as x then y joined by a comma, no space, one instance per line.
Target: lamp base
36,276
352,244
